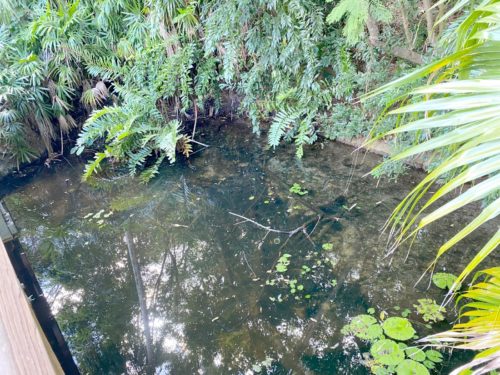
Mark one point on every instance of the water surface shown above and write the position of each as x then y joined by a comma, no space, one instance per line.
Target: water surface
208,275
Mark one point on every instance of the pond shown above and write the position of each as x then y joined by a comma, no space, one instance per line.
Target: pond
168,271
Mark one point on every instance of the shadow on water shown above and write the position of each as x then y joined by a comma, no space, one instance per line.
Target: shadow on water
162,278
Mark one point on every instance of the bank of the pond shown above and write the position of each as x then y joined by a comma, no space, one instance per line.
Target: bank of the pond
10,171
268,291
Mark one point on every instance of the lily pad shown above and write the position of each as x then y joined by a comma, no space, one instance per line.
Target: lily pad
443,280
434,356
429,364
398,328
410,367
281,268
364,327
415,354
387,352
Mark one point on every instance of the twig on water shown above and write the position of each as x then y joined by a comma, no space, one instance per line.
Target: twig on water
248,264
290,233
199,143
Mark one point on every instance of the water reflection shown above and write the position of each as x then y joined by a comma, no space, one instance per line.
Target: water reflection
162,279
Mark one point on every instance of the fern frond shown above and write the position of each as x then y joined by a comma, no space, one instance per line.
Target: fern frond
283,120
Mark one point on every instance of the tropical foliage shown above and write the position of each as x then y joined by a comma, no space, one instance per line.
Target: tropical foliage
127,69
455,115
480,329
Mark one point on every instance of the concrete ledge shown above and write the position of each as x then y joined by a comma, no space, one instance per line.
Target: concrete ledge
384,149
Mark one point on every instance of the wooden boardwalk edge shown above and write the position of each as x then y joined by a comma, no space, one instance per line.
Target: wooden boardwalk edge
24,350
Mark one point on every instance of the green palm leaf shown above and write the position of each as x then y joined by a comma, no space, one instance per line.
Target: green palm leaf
459,114
480,329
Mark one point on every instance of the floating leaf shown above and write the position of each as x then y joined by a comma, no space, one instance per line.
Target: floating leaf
398,328
405,313
434,356
371,311
443,280
387,352
364,327
281,268
297,189
429,364
415,354
410,367
327,246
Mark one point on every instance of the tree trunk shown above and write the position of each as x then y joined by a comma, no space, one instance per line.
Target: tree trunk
401,52
430,21
406,26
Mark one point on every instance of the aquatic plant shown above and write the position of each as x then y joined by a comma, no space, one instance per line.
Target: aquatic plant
327,246
364,327
389,356
283,263
398,328
479,328
444,280
297,189
387,352
289,281
430,310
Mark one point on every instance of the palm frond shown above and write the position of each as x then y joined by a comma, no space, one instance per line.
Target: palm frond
460,117
480,326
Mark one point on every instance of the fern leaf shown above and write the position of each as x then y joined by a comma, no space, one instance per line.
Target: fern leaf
283,120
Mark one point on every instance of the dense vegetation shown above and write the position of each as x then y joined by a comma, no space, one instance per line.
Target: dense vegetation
138,74
131,78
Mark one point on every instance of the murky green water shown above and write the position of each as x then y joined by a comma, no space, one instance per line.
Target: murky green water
208,277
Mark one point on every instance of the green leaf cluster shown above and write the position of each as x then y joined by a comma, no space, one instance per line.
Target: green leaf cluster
430,310
389,353
297,189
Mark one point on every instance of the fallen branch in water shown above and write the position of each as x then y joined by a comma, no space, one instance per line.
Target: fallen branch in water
290,233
